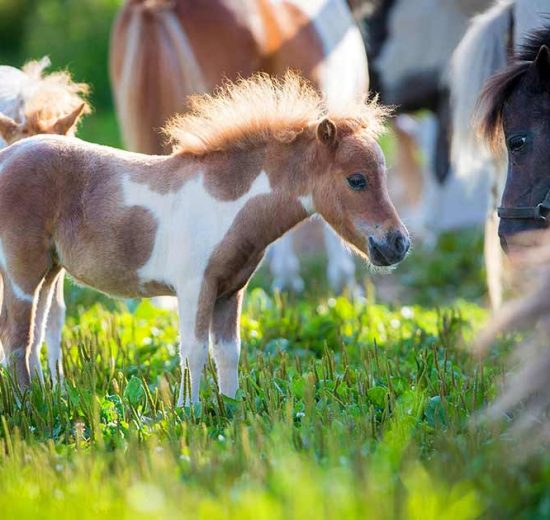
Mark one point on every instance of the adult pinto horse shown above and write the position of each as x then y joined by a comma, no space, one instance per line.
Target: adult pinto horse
32,102
410,72
251,163
164,50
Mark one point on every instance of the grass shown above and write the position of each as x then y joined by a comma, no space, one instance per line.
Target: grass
347,410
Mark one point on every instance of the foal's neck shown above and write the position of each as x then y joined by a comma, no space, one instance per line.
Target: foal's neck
266,217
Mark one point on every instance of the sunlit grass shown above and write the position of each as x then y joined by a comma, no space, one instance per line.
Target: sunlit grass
347,409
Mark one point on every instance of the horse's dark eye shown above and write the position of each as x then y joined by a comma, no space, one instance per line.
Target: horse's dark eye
516,142
357,182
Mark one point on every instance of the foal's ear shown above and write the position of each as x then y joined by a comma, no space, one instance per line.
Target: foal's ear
326,132
65,124
8,127
542,65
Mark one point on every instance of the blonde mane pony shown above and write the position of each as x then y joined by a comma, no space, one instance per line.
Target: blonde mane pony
46,98
251,111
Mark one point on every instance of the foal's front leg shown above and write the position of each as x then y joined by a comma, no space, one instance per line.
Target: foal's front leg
195,312
226,348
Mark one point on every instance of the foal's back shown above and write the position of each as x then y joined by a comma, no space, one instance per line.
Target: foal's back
67,196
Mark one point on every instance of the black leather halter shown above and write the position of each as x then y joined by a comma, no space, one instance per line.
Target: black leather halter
538,212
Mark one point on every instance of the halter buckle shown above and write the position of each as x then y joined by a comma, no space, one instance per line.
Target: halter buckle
539,211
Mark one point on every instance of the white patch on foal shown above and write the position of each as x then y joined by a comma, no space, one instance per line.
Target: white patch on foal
191,223
307,203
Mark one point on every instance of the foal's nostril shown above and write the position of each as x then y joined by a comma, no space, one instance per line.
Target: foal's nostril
401,244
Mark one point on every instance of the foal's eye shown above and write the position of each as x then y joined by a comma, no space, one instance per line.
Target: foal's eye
357,182
516,143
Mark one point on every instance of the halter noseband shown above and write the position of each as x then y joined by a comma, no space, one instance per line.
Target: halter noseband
539,212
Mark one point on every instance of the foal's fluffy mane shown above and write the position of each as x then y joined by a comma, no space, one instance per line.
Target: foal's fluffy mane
500,86
252,111
49,97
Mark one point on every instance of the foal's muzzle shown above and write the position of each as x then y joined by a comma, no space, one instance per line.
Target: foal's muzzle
391,250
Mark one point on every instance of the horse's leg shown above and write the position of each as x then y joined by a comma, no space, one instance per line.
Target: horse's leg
284,265
226,346
42,303
493,260
54,328
195,303
3,357
17,322
341,267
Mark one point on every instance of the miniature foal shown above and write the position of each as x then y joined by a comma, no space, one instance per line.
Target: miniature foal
31,103
251,162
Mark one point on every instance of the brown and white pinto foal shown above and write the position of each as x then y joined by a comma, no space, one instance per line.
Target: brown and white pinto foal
251,162
32,102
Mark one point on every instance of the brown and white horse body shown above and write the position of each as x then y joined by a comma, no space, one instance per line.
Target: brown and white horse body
32,103
162,52
411,43
195,223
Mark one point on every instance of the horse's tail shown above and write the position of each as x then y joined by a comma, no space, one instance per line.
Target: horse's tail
482,52
153,69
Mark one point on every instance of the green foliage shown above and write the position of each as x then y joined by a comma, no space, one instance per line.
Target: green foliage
75,35
346,410
455,266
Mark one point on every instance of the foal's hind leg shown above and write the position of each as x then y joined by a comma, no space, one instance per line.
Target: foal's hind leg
43,303
16,329
54,327
25,264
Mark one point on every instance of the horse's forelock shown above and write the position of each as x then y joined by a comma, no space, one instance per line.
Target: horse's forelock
492,100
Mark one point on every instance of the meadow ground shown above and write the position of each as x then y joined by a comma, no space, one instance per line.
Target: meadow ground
347,410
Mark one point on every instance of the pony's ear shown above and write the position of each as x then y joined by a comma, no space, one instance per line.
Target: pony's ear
64,124
8,127
326,132
542,65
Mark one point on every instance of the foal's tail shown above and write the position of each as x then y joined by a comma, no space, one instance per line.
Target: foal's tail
482,52
153,69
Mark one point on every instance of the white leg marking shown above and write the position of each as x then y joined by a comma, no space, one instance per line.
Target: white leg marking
226,355
42,306
54,328
193,351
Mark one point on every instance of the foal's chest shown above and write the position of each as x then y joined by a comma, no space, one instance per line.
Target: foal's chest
191,223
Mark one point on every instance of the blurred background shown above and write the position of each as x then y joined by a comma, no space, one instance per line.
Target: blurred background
75,35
